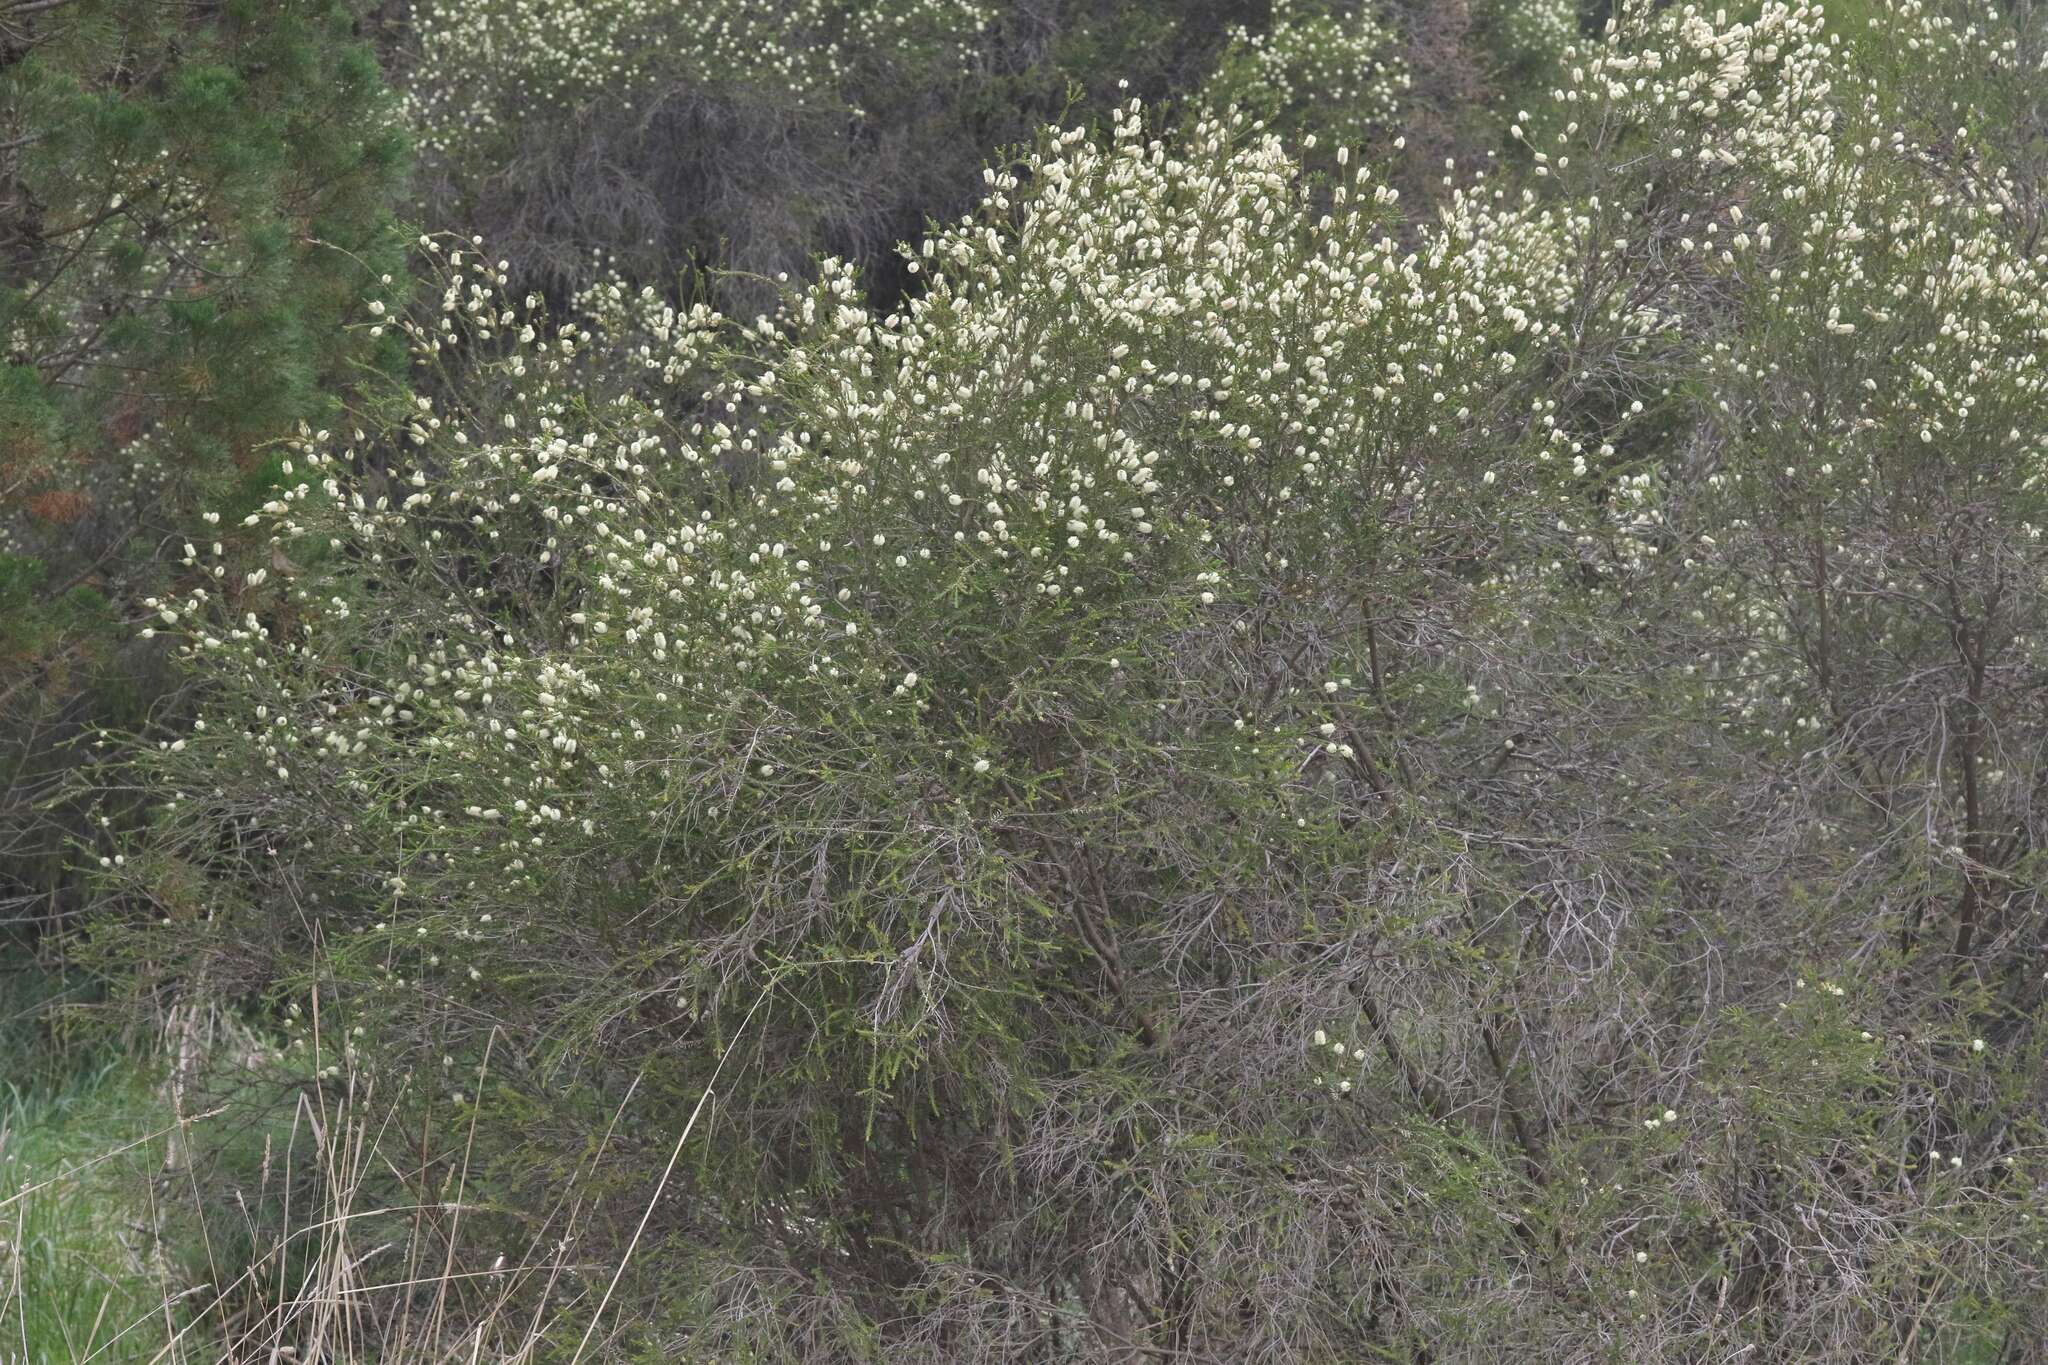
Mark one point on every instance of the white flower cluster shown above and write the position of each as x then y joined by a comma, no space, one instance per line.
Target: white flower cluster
1334,70
641,592
1535,32
479,64
1888,247
1349,1056
1132,353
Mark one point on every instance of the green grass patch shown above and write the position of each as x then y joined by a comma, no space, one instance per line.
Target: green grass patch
77,1267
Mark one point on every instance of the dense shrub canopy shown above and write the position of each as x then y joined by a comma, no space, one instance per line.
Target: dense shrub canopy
751,136
748,135
1240,778
1335,71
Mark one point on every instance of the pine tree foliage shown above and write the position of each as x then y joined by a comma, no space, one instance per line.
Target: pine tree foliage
190,196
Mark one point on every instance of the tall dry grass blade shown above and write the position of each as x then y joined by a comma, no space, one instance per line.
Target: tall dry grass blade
435,1316
661,1185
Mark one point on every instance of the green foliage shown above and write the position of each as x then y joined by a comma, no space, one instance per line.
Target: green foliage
1248,771
1319,67
1138,43
1528,37
1190,783
754,135
192,203
230,188
75,1280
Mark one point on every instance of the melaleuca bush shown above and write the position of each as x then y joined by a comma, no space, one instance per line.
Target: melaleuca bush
593,136
1806,196
475,69
834,656
1817,450
1210,612
1334,68
1106,383
1532,35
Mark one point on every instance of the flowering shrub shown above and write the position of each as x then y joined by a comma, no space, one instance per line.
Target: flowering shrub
1532,34
480,65
656,139
1333,69
1239,777
662,136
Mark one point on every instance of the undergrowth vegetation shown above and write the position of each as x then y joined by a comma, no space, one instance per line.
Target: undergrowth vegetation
1306,740
76,1268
